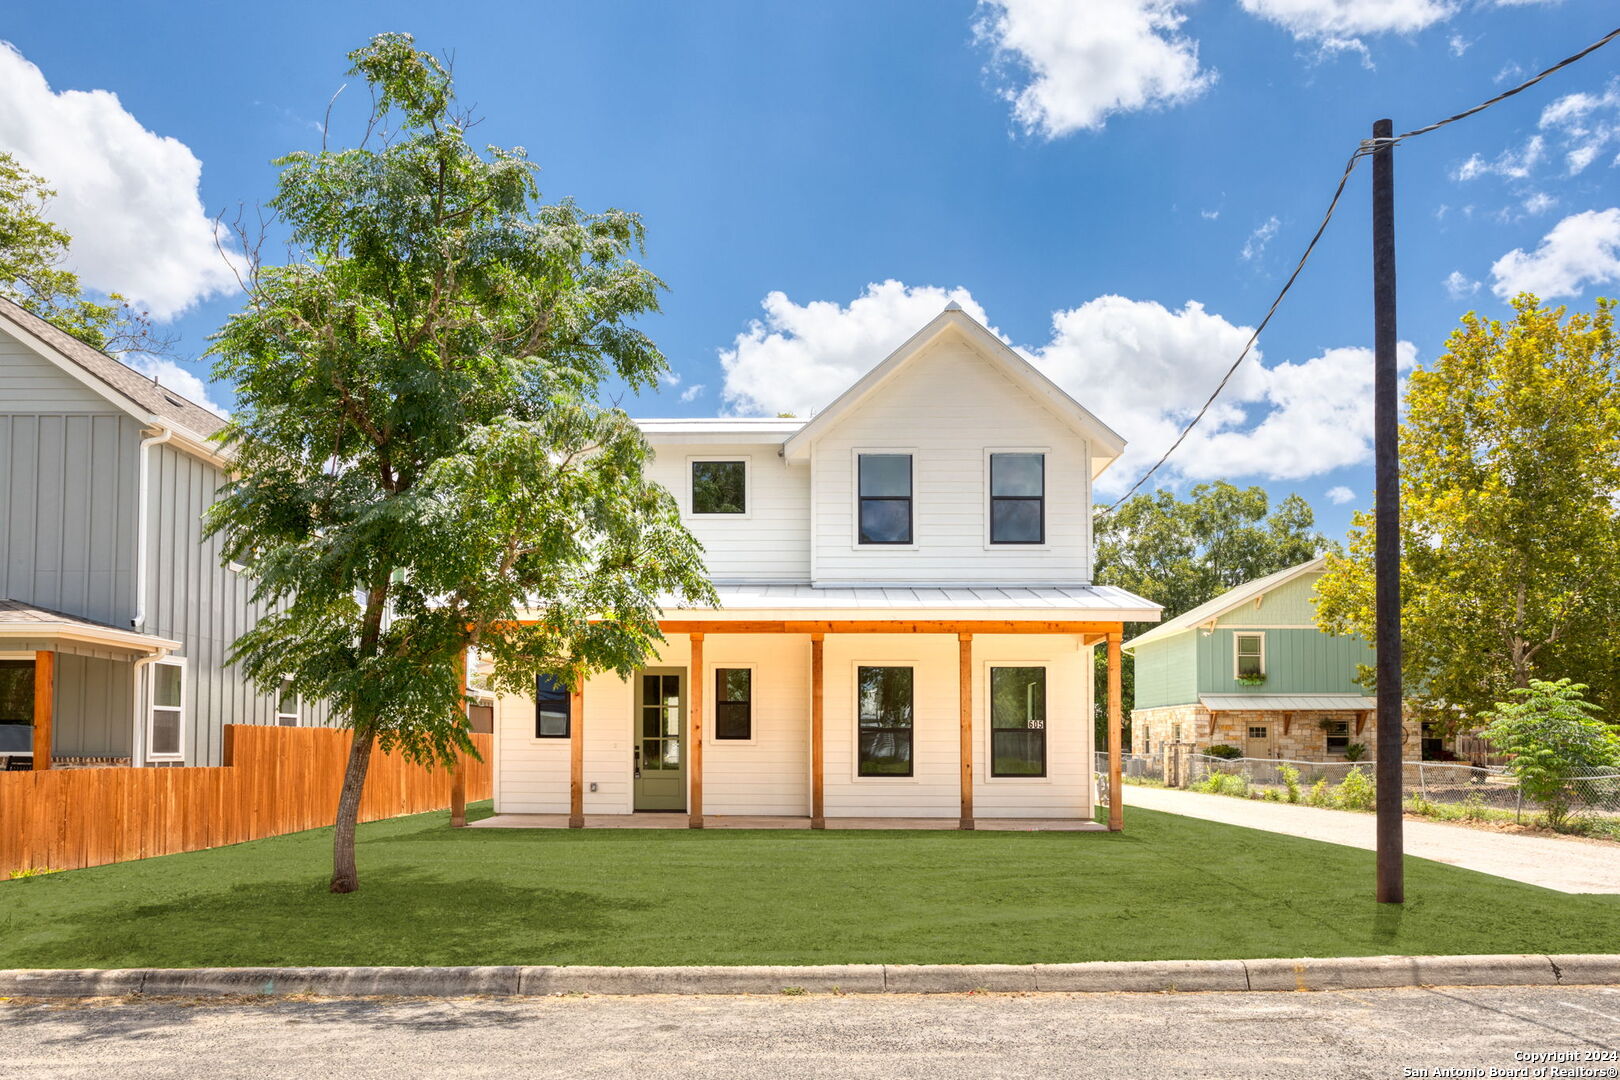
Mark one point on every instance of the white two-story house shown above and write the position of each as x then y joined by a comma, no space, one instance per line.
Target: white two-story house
906,620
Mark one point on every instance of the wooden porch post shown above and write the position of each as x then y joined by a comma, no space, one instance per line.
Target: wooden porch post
694,737
964,683
818,751
458,775
44,700
1116,796
576,756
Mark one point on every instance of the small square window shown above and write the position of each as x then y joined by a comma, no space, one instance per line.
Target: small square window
719,487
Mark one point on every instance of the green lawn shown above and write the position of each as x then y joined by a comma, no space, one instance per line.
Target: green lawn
1167,887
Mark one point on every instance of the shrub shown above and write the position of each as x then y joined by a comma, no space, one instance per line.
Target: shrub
1219,783
1290,778
1473,807
1320,796
1355,751
1552,738
1356,791
1273,795
1224,751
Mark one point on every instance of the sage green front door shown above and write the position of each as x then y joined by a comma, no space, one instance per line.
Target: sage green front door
661,739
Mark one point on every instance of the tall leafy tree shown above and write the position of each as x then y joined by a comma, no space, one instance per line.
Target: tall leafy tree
1184,552
1510,531
419,455
32,251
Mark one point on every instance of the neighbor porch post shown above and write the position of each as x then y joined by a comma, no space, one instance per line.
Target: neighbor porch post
1116,795
964,685
458,775
694,729
818,752
44,700
576,756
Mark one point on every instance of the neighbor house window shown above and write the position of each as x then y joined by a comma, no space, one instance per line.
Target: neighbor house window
1017,498
166,716
1017,721
885,497
1251,656
885,705
287,704
1338,736
719,487
733,703
552,708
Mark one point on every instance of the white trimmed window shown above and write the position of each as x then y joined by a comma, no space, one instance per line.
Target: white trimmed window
1249,656
165,718
287,703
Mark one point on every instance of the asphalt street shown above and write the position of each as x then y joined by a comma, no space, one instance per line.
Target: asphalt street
1376,1033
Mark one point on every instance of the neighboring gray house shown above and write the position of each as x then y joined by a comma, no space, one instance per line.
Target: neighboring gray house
116,616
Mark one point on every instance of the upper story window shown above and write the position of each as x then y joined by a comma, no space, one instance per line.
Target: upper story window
1250,658
720,487
1017,498
553,708
885,498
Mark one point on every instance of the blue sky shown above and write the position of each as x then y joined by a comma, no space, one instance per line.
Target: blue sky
1117,186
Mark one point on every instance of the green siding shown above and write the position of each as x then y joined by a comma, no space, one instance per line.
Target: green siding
1292,604
1297,662
1165,674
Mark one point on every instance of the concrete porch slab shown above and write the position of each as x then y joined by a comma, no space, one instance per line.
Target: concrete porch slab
727,821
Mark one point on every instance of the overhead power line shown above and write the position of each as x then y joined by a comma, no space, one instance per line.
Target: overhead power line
1366,147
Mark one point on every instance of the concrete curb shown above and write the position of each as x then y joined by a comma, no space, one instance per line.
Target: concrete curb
1147,976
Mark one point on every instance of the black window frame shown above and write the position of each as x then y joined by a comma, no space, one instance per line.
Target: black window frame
692,486
1025,731
721,700
908,729
1330,736
861,498
994,498
542,696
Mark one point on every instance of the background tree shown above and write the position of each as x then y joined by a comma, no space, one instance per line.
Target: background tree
1510,566
32,251
419,455
1182,553
1554,740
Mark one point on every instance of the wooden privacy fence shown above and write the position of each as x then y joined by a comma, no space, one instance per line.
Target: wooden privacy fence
275,780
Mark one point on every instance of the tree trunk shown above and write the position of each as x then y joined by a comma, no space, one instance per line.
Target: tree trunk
345,876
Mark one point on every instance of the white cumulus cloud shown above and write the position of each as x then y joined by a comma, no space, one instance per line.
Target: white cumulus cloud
693,392
1072,65
1339,495
1255,245
1459,286
1582,249
1143,368
128,196
1585,125
1339,24
170,374
1509,164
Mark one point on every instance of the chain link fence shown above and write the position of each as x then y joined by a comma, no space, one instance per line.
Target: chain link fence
1447,784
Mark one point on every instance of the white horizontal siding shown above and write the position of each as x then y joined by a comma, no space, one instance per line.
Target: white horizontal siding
948,407
769,543
32,384
771,774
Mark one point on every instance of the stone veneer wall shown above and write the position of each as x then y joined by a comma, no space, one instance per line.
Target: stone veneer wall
1305,740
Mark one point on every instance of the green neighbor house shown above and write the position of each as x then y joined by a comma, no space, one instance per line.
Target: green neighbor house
1250,669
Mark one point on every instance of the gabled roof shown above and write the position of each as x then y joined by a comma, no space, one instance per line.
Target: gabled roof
1228,601
123,386
1107,444
721,429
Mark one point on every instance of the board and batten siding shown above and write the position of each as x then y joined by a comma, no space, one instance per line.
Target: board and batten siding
31,384
768,543
949,408
1166,672
1291,604
770,775
1297,662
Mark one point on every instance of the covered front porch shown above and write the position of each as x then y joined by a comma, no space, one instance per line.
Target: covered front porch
818,667
70,692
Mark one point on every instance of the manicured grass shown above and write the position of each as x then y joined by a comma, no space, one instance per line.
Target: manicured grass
1168,887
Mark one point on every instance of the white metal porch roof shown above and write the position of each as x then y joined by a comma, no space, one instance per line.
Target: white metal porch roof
1288,702
1078,602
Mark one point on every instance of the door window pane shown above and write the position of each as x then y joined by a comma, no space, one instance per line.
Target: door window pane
1017,498
733,703
1018,721
885,706
885,498
719,487
553,708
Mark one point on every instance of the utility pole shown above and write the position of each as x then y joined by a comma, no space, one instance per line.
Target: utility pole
1387,520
